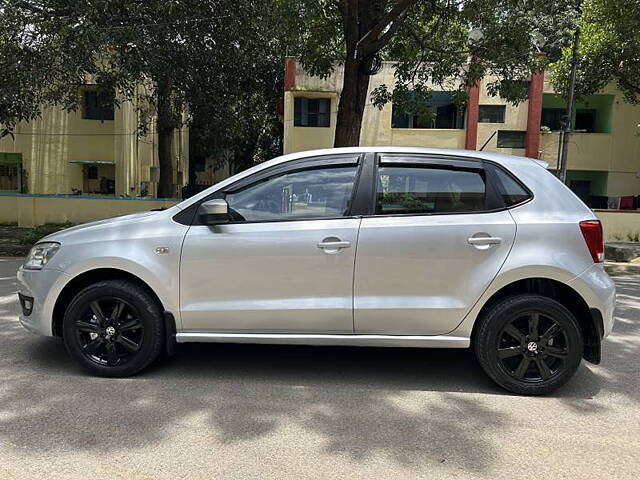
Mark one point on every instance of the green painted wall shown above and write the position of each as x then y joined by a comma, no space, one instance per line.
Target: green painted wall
603,104
10,157
598,180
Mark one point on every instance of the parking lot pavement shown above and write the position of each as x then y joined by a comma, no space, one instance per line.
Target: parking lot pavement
283,412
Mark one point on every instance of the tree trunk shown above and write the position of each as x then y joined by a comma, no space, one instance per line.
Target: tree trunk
351,106
165,128
358,17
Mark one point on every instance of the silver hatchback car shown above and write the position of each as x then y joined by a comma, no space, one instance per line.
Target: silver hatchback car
375,246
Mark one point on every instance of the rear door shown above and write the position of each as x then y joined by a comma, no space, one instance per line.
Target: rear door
436,240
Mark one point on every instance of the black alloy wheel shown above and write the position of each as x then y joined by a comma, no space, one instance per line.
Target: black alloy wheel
528,344
114,328
110,331
532,347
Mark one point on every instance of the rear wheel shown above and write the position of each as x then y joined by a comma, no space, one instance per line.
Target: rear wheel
529,344
114,328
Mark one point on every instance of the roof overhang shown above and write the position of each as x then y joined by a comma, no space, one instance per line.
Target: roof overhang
93,162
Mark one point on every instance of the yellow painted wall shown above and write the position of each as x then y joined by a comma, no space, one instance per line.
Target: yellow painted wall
49,143
28,211
515,118
619,225
617,152
47,148
376,123
298,139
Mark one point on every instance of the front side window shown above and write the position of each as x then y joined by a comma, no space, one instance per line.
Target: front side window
419,190
306,194
311,112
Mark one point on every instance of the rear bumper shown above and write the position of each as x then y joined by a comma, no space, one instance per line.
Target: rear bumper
599,292
41,289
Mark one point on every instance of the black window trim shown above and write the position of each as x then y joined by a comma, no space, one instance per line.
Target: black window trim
443,161
308,163
497,183
363,201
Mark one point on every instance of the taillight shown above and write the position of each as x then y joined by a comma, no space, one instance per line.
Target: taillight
592,233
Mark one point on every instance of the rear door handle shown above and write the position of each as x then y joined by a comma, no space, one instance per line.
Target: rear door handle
484,240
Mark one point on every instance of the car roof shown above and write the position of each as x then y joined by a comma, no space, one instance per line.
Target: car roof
500,158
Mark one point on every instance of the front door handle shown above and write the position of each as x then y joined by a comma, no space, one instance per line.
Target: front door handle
484,240
333,245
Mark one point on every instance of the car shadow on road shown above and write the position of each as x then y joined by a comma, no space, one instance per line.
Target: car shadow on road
417,407
361,401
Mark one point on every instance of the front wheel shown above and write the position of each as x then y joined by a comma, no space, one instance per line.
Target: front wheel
114,328
529,344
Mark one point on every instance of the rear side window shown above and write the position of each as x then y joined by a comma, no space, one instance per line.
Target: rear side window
419,190
509,189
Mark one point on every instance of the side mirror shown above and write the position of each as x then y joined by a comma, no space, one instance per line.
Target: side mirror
214,212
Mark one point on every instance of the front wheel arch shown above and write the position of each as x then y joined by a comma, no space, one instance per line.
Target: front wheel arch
80,282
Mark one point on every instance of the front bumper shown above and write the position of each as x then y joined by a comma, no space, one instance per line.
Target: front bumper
599,292
43,287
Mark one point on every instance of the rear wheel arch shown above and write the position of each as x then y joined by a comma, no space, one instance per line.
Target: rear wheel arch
83,280
590,320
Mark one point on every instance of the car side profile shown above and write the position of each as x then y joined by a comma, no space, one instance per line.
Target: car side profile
367,246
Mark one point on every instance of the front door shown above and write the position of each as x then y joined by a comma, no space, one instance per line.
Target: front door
284,264
430,250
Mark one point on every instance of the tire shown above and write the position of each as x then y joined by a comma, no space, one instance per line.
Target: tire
524,355
114,328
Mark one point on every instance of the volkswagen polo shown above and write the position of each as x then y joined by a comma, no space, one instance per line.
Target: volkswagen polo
376,246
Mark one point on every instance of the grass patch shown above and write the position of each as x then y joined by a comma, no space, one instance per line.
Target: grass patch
32,235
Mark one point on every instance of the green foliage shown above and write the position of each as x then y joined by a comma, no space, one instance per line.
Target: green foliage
609,50
218,61
32,235
428,41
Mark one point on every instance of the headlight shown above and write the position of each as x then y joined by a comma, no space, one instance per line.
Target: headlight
40,254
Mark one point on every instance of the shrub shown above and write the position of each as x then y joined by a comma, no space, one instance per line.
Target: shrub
34,234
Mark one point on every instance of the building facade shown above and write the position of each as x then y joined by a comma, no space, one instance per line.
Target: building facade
604,151
97,150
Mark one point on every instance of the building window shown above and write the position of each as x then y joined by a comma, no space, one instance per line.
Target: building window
442,112
312,112
491,113
585,120
92,173
552,118
10,172
98,105
10,177
511,138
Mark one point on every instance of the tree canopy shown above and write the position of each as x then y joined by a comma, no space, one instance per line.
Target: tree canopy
429,43
208,58
609,49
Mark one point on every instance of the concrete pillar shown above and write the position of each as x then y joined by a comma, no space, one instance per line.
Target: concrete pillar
534,116
471,133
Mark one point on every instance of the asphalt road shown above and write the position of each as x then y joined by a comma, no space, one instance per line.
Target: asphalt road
261,412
